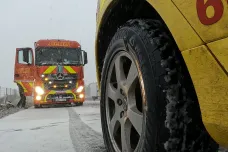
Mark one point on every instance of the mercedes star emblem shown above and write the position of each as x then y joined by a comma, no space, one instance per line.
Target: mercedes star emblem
60,76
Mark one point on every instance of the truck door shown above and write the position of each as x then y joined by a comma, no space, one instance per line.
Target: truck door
24,69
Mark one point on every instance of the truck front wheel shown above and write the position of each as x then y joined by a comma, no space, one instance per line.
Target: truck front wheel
148,102
37,106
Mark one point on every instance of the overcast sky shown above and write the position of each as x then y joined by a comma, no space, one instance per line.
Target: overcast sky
22,22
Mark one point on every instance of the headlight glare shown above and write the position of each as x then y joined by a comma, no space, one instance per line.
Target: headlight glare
39,90
38,98
81,96
79,89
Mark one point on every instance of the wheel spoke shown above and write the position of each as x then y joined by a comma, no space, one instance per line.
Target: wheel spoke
119,71
113,124
135,118
131,78
125,136
112,92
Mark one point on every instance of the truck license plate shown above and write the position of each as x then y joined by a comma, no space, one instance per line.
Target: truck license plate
60,99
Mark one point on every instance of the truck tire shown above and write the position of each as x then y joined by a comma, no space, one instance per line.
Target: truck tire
148,101
36,106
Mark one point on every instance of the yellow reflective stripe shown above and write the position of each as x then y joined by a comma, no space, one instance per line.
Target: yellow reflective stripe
76,85
51,92
54,92
74,95
70,91
31,84
25,90
69,69
49,69
42,86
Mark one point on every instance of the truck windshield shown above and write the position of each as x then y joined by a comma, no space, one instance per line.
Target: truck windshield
54,56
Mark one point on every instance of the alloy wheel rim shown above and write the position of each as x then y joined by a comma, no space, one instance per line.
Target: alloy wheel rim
124,108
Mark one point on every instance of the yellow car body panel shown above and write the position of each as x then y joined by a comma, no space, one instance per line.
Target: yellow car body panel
213,14
220,50
204,46
171,16
177,24
101,8
211,85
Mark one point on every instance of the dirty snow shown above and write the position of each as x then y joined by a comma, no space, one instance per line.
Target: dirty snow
65,129
9,107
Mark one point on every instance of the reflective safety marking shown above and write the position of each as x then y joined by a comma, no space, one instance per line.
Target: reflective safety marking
42,86
50,92
76,85
54,92
49,69
70,91
69,69
27,87
19,82
31,84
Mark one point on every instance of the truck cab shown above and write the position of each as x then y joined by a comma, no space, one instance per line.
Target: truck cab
55,75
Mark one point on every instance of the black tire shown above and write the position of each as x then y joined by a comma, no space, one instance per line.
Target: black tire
172,119
80,103
36,106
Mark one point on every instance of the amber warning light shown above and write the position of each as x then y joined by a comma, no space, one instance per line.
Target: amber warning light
64,44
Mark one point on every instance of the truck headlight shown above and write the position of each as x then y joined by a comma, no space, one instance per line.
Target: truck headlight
39,90
79,89
38,98
81,96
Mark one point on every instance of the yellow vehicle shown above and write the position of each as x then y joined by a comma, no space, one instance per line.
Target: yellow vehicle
162,66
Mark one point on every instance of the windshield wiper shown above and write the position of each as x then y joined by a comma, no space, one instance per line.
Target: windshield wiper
72,63
47,63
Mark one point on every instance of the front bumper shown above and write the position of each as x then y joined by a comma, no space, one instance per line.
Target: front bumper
59,98
51,102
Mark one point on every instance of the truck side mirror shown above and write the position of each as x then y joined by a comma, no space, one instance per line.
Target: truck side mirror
26,56
85,57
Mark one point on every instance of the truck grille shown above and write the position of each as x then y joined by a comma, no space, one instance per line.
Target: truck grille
62,96
60,85
67,83
65,76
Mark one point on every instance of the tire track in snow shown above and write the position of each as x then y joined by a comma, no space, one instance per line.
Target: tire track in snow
84,139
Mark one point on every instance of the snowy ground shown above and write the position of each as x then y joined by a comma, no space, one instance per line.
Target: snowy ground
67,129
6,110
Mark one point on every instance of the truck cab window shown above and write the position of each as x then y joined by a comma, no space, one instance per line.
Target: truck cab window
30,57
21,58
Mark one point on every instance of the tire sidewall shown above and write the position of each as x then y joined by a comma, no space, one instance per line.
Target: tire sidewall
127,39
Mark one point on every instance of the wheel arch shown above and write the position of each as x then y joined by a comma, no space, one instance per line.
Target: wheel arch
115,13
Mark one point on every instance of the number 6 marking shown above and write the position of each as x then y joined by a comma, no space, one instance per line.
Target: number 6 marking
202,11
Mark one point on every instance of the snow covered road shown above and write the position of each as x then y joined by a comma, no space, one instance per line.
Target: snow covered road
67,129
